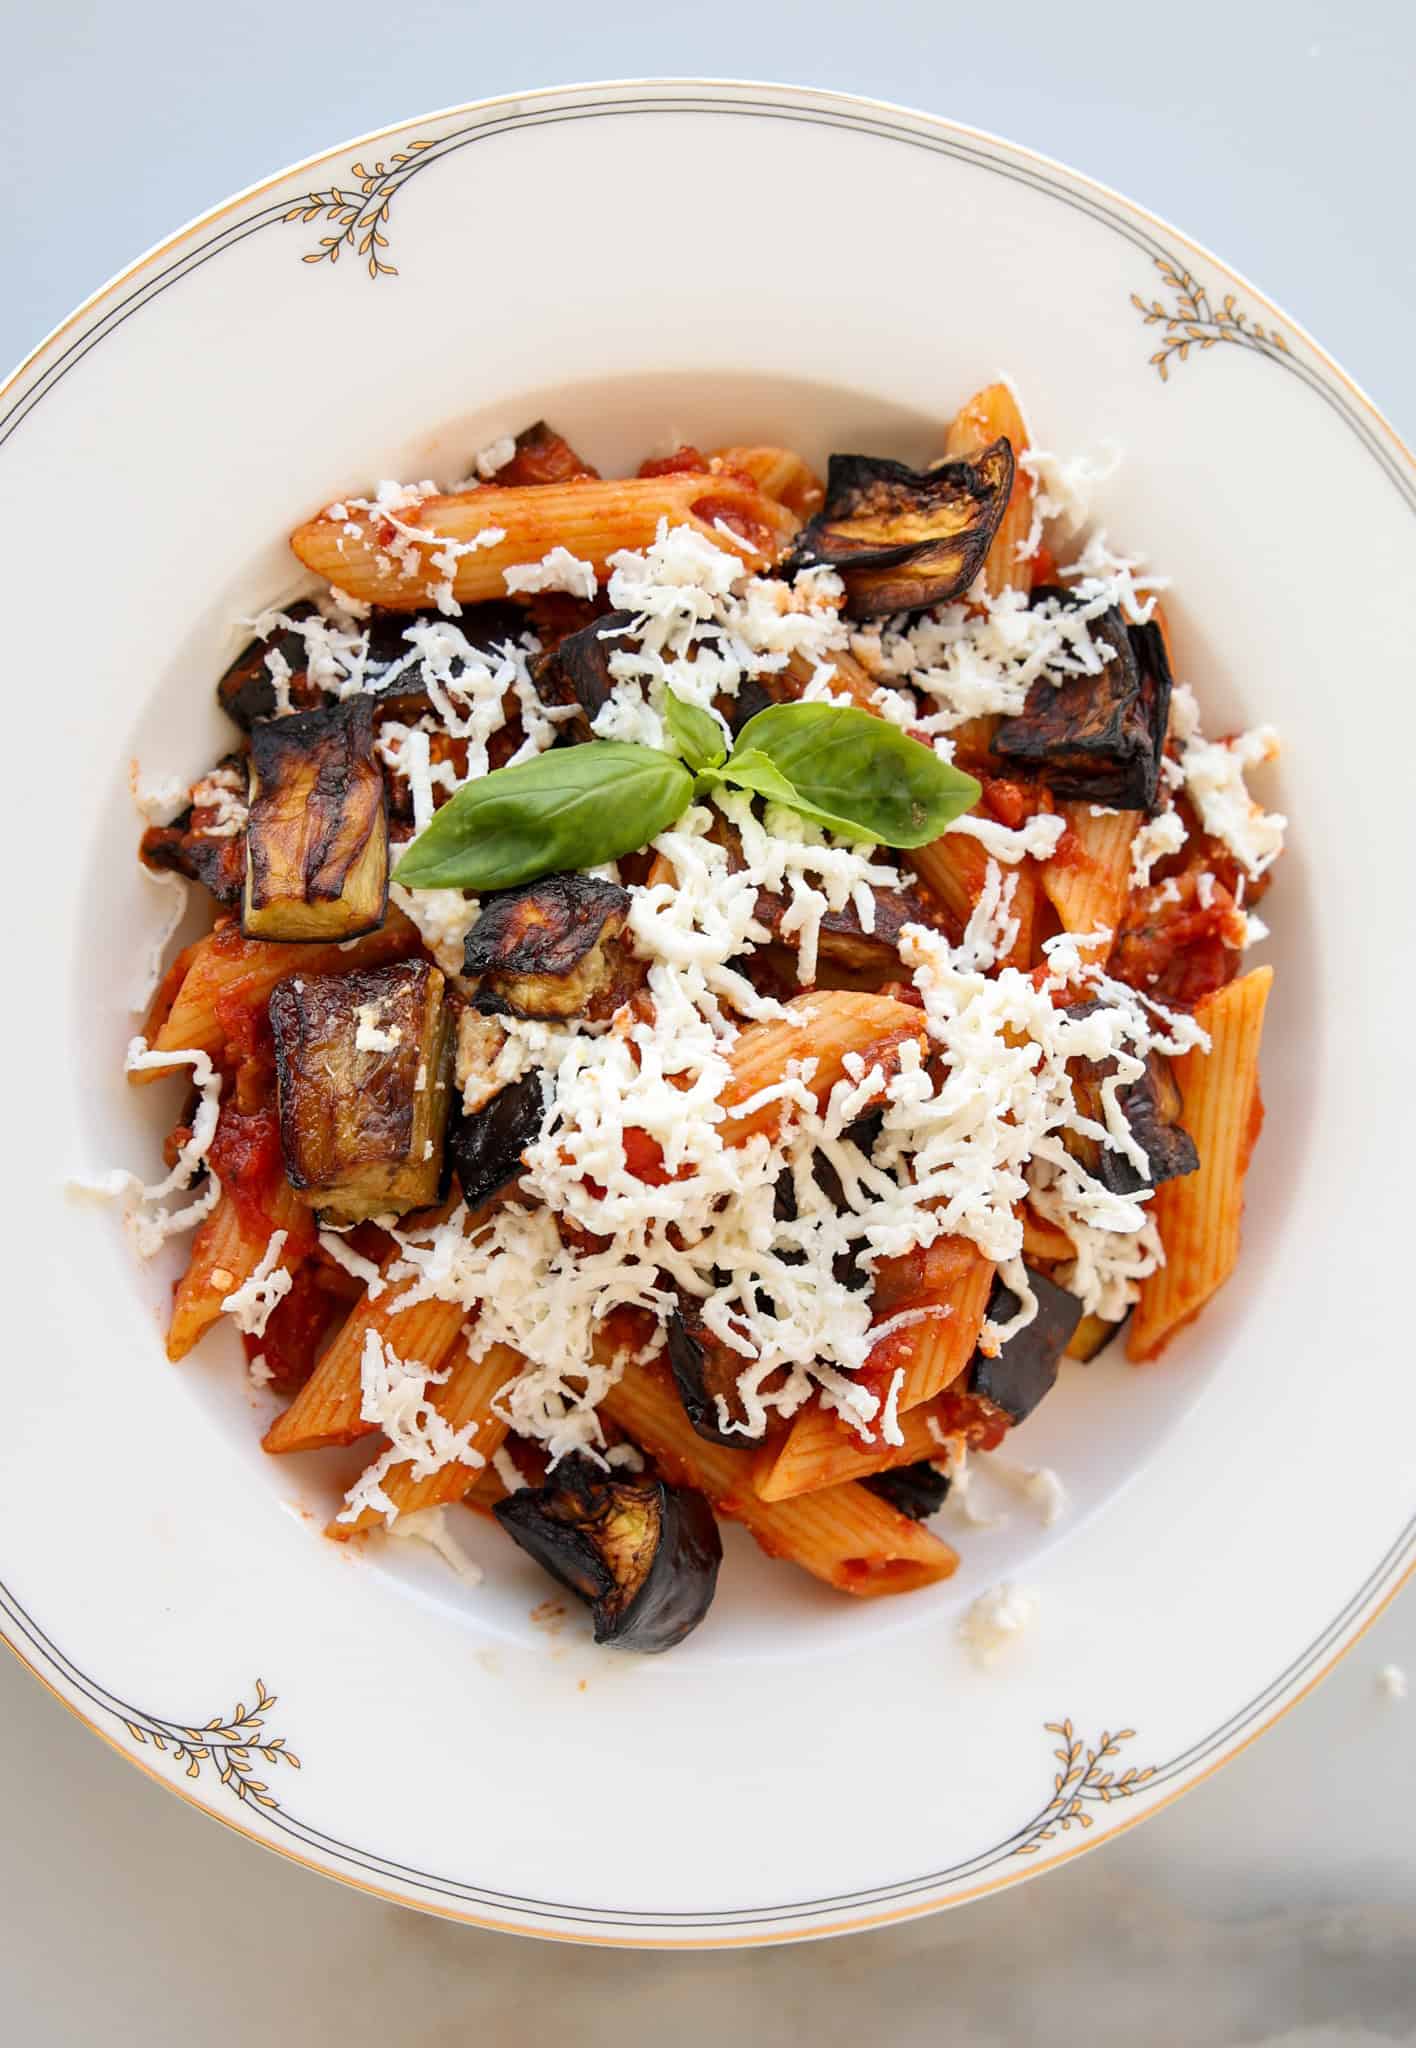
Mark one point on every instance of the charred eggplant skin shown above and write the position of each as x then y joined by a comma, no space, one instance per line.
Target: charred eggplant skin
548,948
918,1491
486,1149
1097,738
362,1066
1025,1370
186,847
246,693
904,539
485,628
577,670
1152,1106
841,936
643,1554
317,841
705,1369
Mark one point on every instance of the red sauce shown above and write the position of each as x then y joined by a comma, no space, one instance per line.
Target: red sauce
246,1158
751,531
296,1329
685,461
981,1423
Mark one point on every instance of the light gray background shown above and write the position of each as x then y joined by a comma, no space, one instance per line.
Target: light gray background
1275,1904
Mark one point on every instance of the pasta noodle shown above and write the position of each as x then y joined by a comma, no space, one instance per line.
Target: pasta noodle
779,473
1199,1217
820,1447
1088,878
845,1535
990,414
832,1025
327,1409
403,558
225,1253
465,1396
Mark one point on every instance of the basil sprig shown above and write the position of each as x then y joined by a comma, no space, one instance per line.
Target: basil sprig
577,807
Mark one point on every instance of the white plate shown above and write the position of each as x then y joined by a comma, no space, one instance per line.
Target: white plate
643,262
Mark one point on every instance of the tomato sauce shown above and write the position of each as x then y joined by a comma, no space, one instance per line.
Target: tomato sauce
296,1330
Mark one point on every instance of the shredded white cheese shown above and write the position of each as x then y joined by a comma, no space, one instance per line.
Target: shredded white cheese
149,1223
996,1620
559,569
354,1263
370,1035
395,1395
251,1304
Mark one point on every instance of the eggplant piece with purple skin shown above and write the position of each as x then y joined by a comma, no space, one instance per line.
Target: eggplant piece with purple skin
406,696
553,949
1152,1106
904,539
247,692
918,1491
642,1554
207,843
1097,738
577,670
317,838
1026,1368
843,940
706,1371
486,1148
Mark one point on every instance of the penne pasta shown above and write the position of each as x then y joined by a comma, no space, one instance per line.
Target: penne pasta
846,1536
832,1024
403,559
783,1471
822,1449
1199,1216
1088,878
779,473
992,414
848,679
466,1396
225,1253
327,1408
228,974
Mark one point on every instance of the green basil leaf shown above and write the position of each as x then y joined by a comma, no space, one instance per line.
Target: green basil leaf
753,771
852,772
696,733
571,808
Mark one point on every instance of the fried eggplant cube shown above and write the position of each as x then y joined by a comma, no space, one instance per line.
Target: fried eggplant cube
207,843
577,669
1152,1106
1097,738
904,539
552,949
842,939
644,1554
1026,1367
247,691
363,1071
706,1373
317,841
918,1491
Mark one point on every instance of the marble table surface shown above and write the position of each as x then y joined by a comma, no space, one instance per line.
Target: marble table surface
1275,1904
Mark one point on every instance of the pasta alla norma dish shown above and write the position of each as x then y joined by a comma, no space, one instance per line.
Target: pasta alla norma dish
726,987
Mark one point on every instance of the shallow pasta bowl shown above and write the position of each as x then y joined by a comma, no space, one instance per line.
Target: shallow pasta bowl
805,1764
